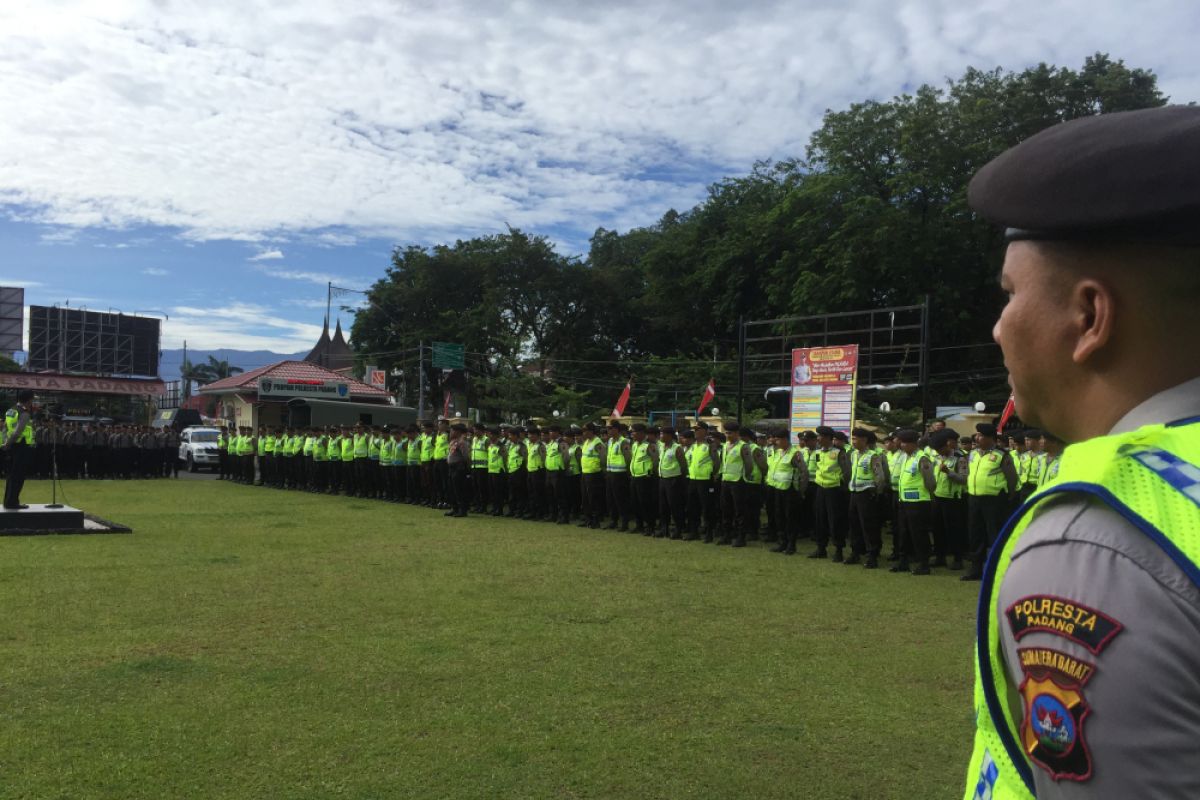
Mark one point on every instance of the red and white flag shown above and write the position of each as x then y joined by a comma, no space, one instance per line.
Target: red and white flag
1009,408
446,405
710,392
623,400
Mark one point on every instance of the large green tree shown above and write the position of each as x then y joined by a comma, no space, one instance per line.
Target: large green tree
872,214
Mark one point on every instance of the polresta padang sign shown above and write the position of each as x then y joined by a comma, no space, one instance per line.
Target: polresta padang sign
296,387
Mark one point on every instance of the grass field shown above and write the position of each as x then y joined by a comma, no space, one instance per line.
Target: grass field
250,643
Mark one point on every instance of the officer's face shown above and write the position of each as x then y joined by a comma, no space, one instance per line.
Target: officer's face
1037,330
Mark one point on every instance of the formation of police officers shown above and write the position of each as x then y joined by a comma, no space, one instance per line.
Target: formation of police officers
103,452
944,497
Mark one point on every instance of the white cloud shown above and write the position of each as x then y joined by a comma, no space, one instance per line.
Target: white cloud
321,278
266,255
20,283
238,326
157,272
257,123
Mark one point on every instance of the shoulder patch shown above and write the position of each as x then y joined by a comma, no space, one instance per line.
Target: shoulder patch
1052,730
1066,618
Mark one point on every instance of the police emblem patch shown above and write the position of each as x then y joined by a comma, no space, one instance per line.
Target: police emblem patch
1052,730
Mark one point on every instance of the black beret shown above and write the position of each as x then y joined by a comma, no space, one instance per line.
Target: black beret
1033,433
986,429
1125,177
687,433
908,435
825,430
839,435
861,433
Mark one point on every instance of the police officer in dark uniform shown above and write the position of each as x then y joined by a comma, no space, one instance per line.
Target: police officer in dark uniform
1088,651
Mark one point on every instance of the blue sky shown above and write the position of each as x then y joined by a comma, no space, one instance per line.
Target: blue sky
219,162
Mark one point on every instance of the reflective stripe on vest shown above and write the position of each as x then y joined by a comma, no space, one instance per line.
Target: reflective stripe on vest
755,476
347,448
533,457
441,447
668,461
554,460
862,476
829,470
912,482
479,453
589,457
495,460
985,473
386,448
699,462
426,441
732,466
573,451
516,457
781,472
10,424
615,456
1149,477
639,460
945,488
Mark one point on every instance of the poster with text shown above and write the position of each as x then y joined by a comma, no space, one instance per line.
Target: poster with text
823,387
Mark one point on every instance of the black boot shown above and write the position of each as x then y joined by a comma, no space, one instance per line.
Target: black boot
837,556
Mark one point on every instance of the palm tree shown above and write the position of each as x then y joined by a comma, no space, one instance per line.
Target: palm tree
189,372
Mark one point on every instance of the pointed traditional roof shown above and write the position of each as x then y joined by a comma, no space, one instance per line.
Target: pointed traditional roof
332,353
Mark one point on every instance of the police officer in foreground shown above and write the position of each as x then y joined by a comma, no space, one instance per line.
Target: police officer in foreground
1088,652
18,445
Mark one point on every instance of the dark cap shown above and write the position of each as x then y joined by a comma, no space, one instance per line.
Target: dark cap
986,429
687,433
908,435
1124,177
825,430
839,436
860,433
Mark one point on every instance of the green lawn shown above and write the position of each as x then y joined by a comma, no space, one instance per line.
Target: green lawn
251,643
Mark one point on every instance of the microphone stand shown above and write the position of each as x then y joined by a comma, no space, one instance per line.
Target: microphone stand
54,469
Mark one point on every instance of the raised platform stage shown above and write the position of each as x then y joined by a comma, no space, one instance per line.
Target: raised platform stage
41,519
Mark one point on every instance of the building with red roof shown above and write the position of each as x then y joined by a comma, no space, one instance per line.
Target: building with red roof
271,395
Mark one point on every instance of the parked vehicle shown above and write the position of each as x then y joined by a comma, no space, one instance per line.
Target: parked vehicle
198,447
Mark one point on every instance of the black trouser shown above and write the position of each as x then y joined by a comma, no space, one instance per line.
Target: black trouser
645,501
671,505
593,488
780,505
616,490
414,482
479,488
702,502
575,495
458,487
518,491
731,510
496,491
985,519
555,508
18,464
830,517
751,514
914,532
949,519
866,535
441,477
536,485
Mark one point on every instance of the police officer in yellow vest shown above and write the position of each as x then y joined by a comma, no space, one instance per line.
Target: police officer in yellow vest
1088,638
479,468
18,446
591,466
616,477
832,473
991,478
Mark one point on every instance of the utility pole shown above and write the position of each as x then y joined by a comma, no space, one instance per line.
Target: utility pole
187,384
741,365
421,380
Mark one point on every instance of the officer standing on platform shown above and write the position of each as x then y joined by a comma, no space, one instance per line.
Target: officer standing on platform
1088,645
18,446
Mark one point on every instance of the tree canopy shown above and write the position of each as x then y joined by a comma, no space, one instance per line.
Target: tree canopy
873,214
